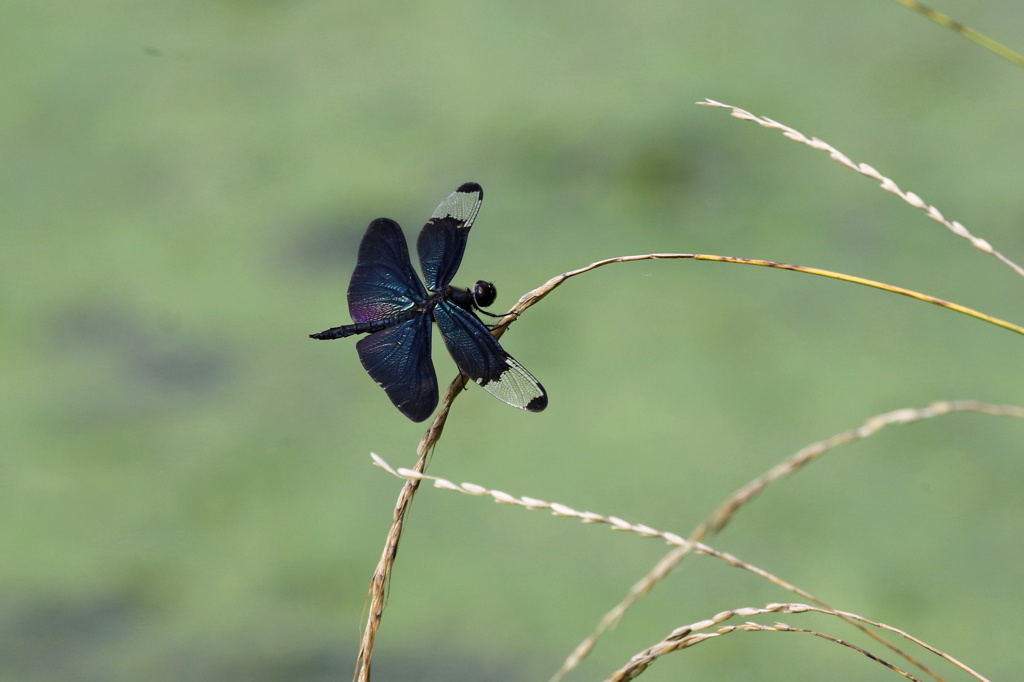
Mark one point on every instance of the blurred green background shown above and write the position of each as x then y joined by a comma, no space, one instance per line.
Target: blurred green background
187,491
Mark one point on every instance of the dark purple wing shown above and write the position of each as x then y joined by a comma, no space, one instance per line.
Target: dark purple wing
483,360
398,358
443,239
384,282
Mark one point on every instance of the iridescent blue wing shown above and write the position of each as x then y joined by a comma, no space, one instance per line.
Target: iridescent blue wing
398,358
483,360
443,239
384,282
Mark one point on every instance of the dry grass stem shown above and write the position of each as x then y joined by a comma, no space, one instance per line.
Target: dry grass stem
613,522
689,635
727,509
721,516
866,170
382,573
681,637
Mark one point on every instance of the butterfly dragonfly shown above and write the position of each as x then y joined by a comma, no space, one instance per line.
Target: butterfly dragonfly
388,302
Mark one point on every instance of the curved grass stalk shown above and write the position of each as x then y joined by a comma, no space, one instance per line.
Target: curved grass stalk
542,291
719,518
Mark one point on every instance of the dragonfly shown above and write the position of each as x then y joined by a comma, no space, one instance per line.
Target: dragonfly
389,303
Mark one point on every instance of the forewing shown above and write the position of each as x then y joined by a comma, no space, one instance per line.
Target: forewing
398,358
443,239
483,360
384,282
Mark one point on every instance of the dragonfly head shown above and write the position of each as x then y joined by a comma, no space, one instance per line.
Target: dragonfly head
484,294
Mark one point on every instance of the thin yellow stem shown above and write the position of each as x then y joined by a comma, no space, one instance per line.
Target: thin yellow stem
540,292
965,31
870,283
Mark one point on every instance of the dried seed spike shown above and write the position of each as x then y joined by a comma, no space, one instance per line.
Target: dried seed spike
867,170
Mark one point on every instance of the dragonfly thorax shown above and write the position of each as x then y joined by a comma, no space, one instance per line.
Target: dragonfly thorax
481,295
